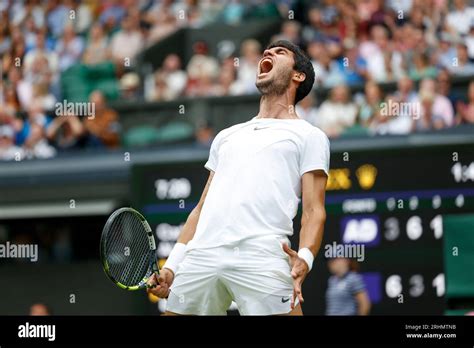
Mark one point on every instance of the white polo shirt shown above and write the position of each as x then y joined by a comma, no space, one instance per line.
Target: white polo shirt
256,187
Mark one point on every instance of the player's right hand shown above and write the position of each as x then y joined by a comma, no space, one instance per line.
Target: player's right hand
160,286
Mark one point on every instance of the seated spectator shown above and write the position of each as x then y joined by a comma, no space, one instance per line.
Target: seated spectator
103,129
465,113
355,68
370,104
127,42
320,60
5,40
469,41
69,48
462,66
97,46
431,118
307,110
170,79
57,16
444,87
445,53
41,94
290,30
65,132
33,134
382,61
226,83
204,133
8,150
129,86
337,113
112,14
441,106
41,51
459,20
421,67
250,54
202,71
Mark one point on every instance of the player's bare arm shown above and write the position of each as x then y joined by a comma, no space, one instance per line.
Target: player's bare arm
166,276
312,227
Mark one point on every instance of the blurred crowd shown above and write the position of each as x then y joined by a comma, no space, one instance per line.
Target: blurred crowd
40,39
419,45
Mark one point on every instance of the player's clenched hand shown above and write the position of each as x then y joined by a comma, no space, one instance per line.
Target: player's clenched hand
299,270
160,286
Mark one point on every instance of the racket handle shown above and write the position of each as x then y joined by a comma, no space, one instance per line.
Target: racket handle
154,267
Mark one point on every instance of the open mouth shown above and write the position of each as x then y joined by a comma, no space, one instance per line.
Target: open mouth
266,65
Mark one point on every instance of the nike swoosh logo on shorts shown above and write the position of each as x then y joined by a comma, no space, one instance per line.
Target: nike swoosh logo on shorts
283,300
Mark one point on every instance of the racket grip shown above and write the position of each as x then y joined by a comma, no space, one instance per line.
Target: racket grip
154,268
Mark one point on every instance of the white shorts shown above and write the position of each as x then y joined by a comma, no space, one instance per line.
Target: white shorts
254,273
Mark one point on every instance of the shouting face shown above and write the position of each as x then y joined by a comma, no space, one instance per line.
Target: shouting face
274,71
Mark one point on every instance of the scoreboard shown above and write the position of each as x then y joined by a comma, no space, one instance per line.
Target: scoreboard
390,201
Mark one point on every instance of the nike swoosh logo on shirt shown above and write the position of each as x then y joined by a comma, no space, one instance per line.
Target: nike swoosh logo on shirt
258,128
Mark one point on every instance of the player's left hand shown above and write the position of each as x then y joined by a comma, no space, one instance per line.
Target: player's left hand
299,270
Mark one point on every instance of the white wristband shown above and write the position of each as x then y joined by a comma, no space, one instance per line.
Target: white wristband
307,255
175,257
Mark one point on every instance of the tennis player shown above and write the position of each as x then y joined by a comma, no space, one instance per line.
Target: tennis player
234,244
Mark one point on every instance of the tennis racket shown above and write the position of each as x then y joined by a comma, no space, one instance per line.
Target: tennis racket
128,249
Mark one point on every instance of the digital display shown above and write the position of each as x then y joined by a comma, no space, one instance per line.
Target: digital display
390,201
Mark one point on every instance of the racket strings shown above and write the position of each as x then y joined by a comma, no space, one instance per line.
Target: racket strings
127,249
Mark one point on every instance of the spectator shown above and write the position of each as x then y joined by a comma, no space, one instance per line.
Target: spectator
41,50
443,81
57,16
337,113
129,86
371,103
97,46
462,66
103,129
202,71
69,48
33,137
383,63
204,133
465,113
226,83
446,52
469,41
422,68
8,150
5,40
170,80
126,43
459,20
65,132
290,30
307,110
436,107
112,14
346,293
251,52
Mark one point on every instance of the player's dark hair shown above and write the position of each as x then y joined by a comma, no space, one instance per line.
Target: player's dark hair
302,64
